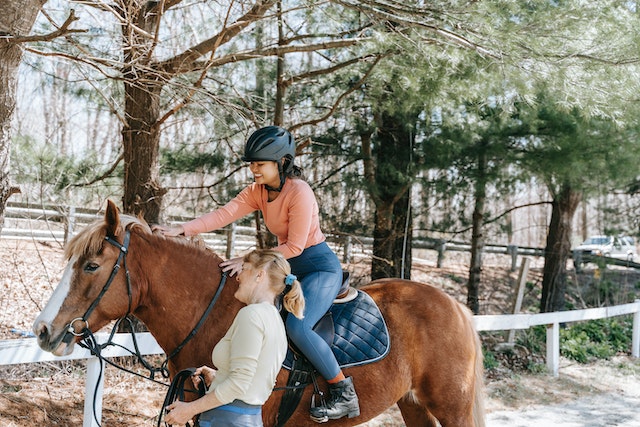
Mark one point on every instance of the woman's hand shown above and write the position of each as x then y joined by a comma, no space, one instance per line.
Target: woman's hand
208,373
233,265
177,230
179,413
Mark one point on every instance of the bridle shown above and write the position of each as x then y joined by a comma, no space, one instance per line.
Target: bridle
88,339
122,260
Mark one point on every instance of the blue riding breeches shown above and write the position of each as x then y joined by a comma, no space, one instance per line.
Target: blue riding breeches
319,271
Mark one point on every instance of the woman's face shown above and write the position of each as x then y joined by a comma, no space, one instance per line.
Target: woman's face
248,279
265,172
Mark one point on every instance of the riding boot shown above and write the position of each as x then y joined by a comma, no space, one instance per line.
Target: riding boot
342,401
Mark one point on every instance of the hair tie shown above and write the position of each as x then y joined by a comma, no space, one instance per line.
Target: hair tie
290,279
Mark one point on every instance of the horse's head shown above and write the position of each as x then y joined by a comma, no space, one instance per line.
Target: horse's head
94,288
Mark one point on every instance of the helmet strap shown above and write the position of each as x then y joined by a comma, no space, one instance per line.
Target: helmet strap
282,179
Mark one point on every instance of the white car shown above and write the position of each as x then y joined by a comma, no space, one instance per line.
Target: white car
621,247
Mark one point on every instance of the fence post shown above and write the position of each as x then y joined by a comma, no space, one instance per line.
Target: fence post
94,385
441,247
577,261
635,342
553,348
517,301
70,224
513,251
346,254
231,239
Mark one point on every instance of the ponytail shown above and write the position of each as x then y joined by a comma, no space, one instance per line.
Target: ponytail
293,299
284,284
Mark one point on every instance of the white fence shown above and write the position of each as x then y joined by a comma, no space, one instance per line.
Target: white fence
27,351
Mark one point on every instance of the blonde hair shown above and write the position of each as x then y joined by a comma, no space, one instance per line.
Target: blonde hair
280,277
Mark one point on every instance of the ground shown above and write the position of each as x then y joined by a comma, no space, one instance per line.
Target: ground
603,393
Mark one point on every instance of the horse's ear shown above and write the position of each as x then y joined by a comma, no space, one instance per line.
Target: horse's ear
112,218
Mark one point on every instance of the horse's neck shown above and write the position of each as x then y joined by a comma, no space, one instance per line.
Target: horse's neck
179,284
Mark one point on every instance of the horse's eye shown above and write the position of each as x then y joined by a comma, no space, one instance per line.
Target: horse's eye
90,267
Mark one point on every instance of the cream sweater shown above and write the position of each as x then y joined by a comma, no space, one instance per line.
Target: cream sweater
248,358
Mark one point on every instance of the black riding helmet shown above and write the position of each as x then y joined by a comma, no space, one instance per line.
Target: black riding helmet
271,143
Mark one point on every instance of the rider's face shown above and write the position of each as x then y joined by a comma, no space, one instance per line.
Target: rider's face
265,172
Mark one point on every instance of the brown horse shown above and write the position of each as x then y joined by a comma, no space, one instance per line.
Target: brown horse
433,370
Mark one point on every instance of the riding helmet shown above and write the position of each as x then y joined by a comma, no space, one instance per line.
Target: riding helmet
269,143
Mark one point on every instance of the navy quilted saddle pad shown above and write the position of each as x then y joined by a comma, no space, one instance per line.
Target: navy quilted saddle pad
360,333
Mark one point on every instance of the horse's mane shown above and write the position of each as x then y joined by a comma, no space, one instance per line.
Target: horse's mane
91,238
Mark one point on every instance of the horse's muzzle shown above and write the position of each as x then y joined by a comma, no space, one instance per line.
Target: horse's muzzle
60,344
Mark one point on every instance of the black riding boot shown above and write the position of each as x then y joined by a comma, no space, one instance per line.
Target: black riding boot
342,401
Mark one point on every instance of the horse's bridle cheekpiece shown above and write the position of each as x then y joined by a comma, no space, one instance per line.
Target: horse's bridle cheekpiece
122,259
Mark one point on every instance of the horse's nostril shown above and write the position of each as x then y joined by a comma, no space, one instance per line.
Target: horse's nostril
41,330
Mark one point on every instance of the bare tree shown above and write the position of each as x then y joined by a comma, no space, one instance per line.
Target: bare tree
16,22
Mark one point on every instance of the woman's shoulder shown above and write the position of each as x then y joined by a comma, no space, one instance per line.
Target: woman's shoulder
299,185
258,311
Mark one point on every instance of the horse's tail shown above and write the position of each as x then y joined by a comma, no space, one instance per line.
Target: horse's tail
478,398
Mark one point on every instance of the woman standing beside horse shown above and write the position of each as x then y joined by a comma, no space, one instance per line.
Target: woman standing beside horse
251,353
290,211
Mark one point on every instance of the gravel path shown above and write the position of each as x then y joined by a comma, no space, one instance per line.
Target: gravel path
610,409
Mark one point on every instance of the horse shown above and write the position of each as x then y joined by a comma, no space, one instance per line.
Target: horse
433,370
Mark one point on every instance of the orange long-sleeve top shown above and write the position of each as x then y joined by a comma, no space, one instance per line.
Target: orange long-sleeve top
292,217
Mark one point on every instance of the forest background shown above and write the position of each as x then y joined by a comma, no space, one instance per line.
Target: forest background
503,122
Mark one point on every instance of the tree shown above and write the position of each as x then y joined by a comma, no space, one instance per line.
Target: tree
476,141
16,21
574,154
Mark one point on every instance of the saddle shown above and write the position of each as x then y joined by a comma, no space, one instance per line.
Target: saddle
357,334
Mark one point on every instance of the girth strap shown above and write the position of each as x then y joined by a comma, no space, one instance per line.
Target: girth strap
300,376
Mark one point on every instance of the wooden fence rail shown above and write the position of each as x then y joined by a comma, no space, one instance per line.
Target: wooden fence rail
25,350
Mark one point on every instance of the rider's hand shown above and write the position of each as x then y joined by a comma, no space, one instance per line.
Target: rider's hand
177,230
232,266
208,373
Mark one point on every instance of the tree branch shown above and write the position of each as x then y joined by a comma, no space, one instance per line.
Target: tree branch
335,105
104,175
184,61
64,30
272,51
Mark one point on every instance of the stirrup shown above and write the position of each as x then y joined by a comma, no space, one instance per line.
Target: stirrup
323,402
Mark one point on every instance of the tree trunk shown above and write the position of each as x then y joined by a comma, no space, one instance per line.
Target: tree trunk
557,250
141,141
392,235
477,235
140,133
17,19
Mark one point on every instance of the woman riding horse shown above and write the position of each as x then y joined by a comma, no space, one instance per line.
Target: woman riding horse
290,211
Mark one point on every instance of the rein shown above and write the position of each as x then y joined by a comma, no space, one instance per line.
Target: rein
88,339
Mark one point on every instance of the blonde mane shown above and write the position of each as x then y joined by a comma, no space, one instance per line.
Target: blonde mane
91,238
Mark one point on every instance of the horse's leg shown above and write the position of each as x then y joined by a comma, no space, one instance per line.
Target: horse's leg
415,415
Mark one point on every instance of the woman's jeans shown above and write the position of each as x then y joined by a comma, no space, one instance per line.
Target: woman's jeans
234,414
320,273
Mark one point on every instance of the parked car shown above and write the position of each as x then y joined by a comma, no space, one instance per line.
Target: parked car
621,247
